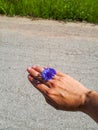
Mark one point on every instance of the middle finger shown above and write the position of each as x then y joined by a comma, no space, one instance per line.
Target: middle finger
33,72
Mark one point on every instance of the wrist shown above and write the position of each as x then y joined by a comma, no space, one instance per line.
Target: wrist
90,105
86,101
90,100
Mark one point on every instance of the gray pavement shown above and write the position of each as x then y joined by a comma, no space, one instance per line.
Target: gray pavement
70,47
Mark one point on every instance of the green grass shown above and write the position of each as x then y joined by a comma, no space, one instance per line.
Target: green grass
79,10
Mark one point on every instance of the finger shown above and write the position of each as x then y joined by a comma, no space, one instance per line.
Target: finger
33,72
51,83
37,84
33,80
38,68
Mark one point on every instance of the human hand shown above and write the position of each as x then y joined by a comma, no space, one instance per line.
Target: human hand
62,92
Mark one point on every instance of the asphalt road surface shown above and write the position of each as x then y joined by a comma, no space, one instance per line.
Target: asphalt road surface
71,48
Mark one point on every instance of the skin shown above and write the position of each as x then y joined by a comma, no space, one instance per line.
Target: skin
65,93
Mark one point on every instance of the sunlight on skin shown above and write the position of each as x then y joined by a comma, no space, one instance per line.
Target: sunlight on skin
65,93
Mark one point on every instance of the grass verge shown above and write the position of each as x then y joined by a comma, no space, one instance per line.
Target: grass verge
79,10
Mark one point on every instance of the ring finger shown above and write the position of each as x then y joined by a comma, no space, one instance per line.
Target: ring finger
40,70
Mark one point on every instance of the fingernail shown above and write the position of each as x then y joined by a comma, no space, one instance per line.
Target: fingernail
34,66
29,68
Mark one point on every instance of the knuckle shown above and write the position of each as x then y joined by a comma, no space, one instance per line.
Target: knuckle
54,83
49,92
61,79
